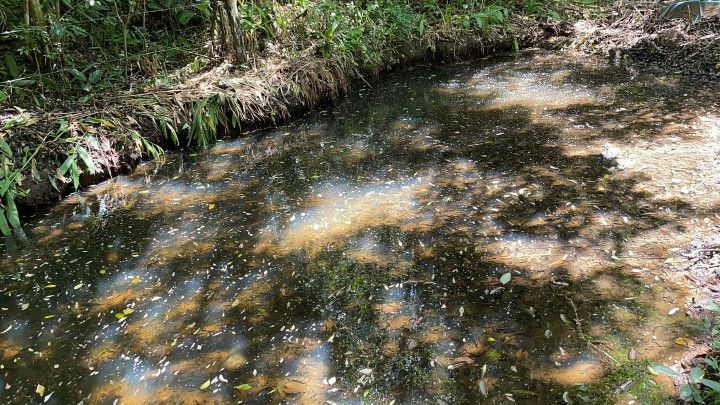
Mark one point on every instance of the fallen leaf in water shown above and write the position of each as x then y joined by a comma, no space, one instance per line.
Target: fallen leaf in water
566,397
464,359
548,333
564,318
483,388
77,287
505,278
366,371
243,387
40,390
461,310
135,280
632,355
205,385
128,311
211,207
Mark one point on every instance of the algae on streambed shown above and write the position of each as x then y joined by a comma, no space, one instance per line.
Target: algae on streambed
356,254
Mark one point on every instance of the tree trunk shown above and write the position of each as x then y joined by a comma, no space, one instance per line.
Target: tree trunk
236,51
34,14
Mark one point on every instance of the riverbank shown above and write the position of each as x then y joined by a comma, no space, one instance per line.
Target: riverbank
79,145
635,33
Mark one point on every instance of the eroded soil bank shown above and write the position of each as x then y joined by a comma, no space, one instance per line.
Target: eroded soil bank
220,102
487,231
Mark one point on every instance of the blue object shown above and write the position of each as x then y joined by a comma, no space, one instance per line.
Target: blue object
693,10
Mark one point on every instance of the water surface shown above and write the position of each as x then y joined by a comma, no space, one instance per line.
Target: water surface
357,254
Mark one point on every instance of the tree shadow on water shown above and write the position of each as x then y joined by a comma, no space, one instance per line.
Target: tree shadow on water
356,255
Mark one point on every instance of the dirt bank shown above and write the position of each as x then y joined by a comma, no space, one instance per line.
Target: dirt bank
636,33
122,129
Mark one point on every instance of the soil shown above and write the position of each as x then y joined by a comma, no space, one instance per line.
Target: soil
634,33
269,93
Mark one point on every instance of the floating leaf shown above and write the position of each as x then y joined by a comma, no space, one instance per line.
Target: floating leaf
483,388
128,311
205,385
119,315
49,316
566,397
40,390
235,303
505,278
77,287
564,318
211,207
548,333
135,280
243,387
462,311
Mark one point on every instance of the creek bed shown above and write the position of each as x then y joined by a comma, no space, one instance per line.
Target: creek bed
487,231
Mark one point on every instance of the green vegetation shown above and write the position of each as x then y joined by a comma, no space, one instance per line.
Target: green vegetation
702,384
633,378
81,80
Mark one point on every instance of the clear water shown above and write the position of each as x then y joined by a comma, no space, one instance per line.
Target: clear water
356,254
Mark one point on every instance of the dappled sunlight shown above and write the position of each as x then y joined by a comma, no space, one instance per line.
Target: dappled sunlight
339,213
504,225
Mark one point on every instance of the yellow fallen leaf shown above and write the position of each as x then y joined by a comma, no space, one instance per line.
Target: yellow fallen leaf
683,341
128,311
135,280
40,390
211,207
205,385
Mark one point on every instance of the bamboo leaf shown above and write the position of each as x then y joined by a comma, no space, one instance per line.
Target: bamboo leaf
75,174
5,148
714,385
66,165
659,368
86,158
11,65
12,211
4,227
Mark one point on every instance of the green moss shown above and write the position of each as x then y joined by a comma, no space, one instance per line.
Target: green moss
631,380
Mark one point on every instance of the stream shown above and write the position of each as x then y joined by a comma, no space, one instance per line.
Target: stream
496,230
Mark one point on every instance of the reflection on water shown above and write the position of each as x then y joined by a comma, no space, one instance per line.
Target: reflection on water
356,254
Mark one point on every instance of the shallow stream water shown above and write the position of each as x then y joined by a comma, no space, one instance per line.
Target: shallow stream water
458,234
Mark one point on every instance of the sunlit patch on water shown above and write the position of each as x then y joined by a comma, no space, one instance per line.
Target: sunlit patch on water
455,234
337,213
